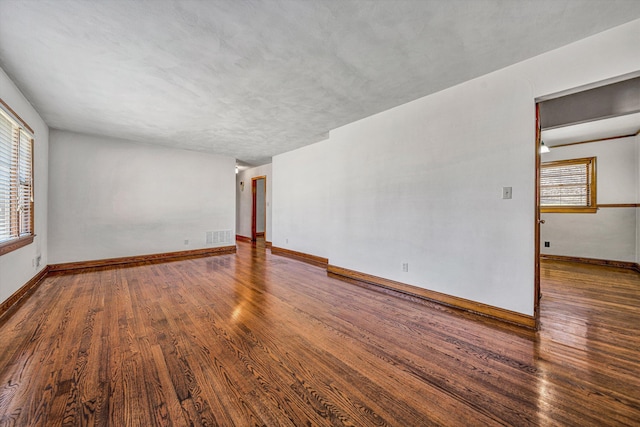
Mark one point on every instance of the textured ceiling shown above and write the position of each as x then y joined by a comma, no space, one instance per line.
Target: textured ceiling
251,79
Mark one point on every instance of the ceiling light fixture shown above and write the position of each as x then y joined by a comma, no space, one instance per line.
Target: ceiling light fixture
543,148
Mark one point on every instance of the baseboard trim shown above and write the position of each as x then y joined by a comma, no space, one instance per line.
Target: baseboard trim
301,256
19,296
477,308
593,261
270,245
240,238
155,258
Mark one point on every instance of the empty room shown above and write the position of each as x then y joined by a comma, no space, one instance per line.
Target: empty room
319,212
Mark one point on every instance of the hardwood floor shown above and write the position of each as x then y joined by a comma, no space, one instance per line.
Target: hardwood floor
256,339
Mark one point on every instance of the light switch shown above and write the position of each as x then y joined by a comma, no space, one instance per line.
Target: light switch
506,192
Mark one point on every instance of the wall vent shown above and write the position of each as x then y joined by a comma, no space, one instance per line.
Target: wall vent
217,237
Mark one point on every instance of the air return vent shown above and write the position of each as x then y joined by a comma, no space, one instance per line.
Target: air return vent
218,237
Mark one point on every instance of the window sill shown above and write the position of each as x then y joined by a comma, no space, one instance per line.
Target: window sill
562,209
14,244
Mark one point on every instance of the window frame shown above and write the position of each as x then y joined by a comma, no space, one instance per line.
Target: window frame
592,206
17,241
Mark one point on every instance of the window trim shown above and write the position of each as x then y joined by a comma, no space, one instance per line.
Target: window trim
14,244
20,241
8,110
592,207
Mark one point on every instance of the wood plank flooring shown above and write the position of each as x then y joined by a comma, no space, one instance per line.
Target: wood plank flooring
257,339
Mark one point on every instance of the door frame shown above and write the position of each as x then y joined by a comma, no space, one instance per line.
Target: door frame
538,124
254,201
536,281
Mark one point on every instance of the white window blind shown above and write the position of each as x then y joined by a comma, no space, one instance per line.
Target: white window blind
6,171
25,183
568,183
16,180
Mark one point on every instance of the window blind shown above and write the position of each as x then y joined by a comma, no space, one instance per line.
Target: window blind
16,180
567,183
6,171
25,183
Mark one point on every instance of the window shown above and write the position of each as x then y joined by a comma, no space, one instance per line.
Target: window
568,186
16,182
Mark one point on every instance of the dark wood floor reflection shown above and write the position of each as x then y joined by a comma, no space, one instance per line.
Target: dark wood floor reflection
255,339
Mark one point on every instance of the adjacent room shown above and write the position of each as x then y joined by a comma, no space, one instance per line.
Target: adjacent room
317,212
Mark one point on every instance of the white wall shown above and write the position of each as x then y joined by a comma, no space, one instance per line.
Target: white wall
421,183
16,268
608,234
302,196
111,198
244,201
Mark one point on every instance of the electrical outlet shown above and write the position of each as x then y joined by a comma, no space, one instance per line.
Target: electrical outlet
405,267
186,241
547,244
286,241
506,192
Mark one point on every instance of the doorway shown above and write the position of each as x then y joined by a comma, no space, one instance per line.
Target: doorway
585,133
258,207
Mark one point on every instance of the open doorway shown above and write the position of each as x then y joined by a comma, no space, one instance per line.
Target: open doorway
588,177
258,207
